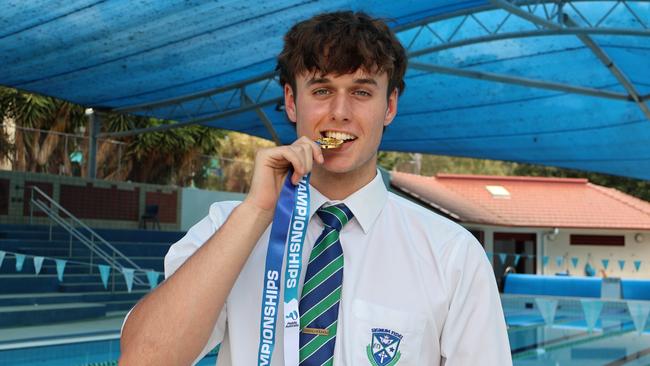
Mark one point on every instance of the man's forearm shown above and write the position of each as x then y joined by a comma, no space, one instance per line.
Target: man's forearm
172,324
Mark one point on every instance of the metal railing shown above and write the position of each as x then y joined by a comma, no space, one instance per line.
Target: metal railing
97,245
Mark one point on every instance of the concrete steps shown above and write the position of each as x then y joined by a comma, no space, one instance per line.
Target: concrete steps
28,299
62,248
40,314
49,266
59,298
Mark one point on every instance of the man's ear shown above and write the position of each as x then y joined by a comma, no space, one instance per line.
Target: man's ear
391,109
290,103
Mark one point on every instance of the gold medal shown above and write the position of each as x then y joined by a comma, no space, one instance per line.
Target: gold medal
329,142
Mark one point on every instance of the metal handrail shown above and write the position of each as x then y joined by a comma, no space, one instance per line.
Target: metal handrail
110,259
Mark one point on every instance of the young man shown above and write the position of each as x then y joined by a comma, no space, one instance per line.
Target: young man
390,284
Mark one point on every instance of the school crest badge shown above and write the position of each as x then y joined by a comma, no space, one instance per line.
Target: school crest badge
383,349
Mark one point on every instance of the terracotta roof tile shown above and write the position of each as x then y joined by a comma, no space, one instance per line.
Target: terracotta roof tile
533,201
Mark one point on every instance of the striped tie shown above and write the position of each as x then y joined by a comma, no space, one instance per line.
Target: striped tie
319,304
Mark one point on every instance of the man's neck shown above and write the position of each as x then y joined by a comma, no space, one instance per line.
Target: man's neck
338,186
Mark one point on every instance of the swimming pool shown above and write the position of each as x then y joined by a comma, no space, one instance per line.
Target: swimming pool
614,340
93,353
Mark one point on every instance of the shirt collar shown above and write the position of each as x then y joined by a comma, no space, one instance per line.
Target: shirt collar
365,204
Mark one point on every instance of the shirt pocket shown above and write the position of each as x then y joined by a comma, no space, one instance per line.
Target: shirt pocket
385,336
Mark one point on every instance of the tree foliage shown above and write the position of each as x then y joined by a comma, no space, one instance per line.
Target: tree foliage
236,158
183,156
635,187
164,157
433,164
33,151
170,156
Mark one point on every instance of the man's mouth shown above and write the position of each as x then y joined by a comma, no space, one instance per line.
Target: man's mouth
339,135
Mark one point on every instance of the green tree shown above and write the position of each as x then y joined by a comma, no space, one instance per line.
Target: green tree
389,160
236,159
170,156
433,164
430,165
635,187
165,157
32,150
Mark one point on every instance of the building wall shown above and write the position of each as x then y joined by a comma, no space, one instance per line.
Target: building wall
631,251
195,204
559,245
98,203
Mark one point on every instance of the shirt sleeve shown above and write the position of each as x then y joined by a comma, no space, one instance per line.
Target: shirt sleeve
474,332
180,251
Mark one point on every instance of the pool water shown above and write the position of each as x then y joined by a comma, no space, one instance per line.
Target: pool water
614,340
96,353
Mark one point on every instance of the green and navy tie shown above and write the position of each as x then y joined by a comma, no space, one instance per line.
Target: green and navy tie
321,293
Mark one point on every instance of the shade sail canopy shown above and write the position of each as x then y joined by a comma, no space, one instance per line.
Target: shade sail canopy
556,83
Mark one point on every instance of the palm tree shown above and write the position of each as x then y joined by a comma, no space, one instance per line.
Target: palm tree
35,151
236,158
166,157
170,156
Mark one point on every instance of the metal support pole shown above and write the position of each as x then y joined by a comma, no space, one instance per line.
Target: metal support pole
94,125
564,19
612,67
119,159
113,276
508,79
246,100
31,208
92,246
197,121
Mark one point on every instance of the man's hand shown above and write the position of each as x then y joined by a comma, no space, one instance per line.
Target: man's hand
173,323
271,166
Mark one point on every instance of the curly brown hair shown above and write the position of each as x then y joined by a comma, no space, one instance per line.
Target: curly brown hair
340,43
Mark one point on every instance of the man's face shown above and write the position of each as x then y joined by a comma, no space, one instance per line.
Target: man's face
352,107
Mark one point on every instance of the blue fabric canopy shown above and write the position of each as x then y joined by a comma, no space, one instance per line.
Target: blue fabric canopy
527,81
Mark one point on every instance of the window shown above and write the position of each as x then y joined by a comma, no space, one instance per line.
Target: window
613,240
498,191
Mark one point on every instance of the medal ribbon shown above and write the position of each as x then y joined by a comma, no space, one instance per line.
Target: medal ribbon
290,219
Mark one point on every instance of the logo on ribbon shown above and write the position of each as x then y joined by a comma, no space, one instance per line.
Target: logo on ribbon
384,347
290,319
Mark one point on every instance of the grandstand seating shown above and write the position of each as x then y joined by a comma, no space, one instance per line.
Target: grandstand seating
27,298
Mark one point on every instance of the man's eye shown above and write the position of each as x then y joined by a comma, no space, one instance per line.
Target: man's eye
321,92
362,93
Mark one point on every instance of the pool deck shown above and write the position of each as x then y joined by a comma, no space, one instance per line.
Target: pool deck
60,333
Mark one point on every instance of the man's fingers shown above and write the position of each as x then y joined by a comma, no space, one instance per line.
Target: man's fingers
308,156
316,152
300,155
295,157
308,150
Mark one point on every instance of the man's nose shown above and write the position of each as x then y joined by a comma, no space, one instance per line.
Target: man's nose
340,108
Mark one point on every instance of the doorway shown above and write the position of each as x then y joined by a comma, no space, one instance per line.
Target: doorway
519,252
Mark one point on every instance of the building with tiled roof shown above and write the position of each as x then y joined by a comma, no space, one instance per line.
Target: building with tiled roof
522,220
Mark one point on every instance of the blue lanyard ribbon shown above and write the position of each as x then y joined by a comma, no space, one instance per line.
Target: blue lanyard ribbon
291,215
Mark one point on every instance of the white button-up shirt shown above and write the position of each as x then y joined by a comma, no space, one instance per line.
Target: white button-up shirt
406,269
